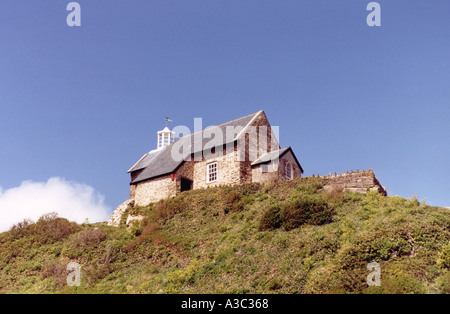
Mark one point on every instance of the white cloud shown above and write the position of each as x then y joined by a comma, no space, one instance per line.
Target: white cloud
72,200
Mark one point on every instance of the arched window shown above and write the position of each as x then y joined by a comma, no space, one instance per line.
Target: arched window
288,171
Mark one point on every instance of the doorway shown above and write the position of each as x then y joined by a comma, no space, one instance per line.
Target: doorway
186,184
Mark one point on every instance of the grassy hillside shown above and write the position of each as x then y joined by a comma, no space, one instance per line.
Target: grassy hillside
287,237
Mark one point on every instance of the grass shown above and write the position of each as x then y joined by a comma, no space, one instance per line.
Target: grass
286,237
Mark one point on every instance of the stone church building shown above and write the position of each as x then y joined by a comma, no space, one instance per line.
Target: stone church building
238,151
235,152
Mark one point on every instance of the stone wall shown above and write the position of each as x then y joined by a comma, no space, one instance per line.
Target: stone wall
234,163
255,141
276,172
288,158
186,171
154,190
228,168
132,191
270,176
359,181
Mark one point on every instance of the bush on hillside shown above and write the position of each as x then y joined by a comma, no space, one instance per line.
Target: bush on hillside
57,271
444,257
293,213
306,210
231,200
48,229
249,188
166,209
271,219
89,237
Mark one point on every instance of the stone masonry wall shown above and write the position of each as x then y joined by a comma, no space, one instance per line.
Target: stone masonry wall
276,174
154,190
185,171
256,141
359,181
160,188
227,168
234,164
259,176
288,158
264,141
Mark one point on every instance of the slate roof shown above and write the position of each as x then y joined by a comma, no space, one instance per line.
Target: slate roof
269,156
160,162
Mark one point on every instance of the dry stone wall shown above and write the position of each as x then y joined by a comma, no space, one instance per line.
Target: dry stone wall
359,181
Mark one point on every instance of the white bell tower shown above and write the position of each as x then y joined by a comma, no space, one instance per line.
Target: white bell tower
165,136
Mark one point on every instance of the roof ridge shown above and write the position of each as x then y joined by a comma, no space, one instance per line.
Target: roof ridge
240,118
217,125
136,163
263,157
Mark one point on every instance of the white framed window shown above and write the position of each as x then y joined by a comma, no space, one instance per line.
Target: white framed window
211,172
288,170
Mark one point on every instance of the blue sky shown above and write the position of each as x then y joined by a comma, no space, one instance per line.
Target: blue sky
84,103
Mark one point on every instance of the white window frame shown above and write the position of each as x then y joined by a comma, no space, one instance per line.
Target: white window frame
208,172
160,140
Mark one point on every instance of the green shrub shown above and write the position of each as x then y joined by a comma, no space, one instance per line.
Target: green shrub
443,283
293,213
444,257
306,210
21,229
88,238
231,200
57,271
402,284
271,219
310,186
166,209
136,229
274,284
48,229
249,188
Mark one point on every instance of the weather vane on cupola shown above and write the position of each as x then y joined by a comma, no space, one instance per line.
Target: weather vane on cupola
167,120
